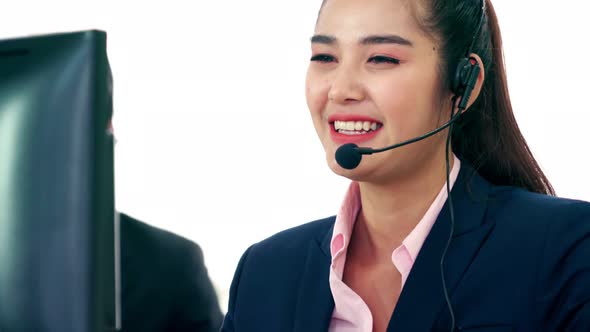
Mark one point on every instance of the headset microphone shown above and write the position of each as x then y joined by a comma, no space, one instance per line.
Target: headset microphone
349,155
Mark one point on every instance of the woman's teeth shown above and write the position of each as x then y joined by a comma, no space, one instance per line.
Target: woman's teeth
355,127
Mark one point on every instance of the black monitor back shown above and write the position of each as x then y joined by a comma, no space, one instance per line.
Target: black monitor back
57,255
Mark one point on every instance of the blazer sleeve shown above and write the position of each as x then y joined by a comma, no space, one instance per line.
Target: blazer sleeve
228,323
564,279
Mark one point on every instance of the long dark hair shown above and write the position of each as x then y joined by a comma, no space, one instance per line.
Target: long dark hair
487,135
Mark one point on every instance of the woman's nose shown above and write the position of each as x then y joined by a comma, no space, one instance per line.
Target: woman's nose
346,86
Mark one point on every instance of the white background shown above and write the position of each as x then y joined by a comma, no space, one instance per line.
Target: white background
214,137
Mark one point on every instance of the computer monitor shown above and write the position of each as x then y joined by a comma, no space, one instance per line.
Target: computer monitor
57,229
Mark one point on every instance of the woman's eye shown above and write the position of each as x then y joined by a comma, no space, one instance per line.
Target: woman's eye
383,59
322,58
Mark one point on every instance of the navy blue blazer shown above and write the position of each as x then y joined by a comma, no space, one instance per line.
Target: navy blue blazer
518,261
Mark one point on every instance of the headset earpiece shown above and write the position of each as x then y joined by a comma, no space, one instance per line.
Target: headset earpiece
465,80
460,78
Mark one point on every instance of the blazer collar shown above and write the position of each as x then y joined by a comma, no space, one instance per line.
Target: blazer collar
315,303
423,291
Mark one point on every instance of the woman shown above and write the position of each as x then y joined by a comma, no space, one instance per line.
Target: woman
504,255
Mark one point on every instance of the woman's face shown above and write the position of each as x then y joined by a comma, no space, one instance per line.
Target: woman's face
373,80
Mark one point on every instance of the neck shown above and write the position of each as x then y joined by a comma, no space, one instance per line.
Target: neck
391,211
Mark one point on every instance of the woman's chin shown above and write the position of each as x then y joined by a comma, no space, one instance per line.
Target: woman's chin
359,173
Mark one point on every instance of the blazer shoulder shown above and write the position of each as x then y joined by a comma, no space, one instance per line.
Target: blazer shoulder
516,209
293,238
535,204
291,244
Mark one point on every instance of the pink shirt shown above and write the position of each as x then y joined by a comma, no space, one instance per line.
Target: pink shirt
351,313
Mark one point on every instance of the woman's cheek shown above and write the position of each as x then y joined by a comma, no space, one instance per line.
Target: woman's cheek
317,96
398,105
393,99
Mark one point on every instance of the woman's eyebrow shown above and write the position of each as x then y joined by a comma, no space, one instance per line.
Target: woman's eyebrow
385,39
323,39
368,40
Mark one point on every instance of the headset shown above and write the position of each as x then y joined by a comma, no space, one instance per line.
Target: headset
463,83
349,155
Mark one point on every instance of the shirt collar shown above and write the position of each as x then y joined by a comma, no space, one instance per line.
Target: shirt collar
345,219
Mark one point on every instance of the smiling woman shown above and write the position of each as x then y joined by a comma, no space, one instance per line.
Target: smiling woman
405,253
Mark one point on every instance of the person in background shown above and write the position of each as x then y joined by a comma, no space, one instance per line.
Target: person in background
164,282
500,253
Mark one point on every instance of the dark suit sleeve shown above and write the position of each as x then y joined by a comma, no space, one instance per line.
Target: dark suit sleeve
197,308
228,323
564,281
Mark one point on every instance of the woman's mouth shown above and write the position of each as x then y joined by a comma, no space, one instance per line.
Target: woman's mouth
353,131
355,127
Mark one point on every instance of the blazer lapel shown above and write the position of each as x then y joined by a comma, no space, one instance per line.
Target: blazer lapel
315,304
422,298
